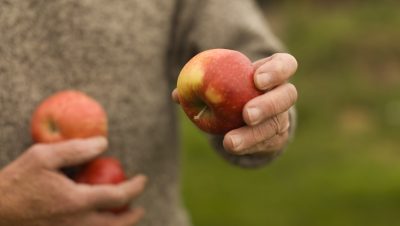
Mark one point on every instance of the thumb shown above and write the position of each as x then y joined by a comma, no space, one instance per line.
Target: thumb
74,152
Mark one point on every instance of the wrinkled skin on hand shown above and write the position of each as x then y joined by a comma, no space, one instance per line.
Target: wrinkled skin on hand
35,193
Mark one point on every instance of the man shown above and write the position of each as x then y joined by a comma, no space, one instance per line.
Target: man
127,55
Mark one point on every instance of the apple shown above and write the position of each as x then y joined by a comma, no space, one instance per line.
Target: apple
102,170
67,115
213,88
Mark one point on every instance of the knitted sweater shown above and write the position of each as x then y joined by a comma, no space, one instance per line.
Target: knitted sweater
126,54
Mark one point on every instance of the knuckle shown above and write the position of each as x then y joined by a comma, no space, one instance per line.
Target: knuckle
37,153
76,201
84,199
275,124
258,133
284,136
62,158
89,198
284,123
271,106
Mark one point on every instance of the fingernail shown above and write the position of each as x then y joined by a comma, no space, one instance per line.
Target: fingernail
254,115
263,81
236,141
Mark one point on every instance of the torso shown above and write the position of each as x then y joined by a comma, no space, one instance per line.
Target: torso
116,52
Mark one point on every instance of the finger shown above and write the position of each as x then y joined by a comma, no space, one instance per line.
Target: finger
238,140
260,62
274,144
67,153
175,95
275,71
111,196
269,104
76,152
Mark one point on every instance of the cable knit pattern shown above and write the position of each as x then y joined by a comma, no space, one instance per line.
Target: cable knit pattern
125,54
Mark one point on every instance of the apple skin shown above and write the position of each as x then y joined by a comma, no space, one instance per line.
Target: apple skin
213,88
67,115
102,170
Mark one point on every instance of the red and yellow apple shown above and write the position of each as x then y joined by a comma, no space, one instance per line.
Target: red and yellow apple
67,115
213,88
102,170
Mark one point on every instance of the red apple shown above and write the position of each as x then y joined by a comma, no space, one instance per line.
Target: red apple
213,88
103,170
67,115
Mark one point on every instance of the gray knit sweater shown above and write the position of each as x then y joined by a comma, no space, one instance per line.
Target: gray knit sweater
126,54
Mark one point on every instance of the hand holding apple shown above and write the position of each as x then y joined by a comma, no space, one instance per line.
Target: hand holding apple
266,115
66,115
72,114
34,192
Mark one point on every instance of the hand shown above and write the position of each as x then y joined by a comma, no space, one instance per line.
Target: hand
266,116
34,192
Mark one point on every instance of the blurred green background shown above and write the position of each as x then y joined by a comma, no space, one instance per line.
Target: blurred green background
343,167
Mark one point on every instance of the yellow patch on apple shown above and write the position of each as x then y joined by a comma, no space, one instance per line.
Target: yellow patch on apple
190,79
213,96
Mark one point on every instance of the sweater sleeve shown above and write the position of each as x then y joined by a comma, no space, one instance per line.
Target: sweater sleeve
231,24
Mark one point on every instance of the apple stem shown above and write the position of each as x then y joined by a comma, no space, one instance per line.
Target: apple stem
197,117
52,126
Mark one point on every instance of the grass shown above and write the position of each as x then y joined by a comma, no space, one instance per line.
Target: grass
343,167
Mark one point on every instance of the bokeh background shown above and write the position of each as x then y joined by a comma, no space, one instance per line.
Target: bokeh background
343,167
